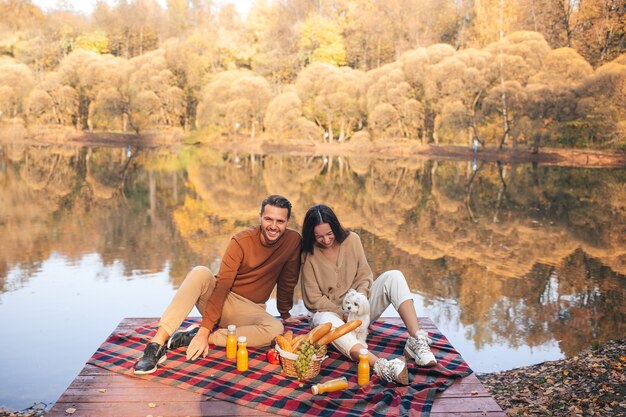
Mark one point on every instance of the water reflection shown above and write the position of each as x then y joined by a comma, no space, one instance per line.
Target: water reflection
504,258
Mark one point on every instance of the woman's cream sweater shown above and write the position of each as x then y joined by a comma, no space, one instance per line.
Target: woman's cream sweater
324,284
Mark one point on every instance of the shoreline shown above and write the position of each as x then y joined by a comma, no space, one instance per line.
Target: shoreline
592,383
399,149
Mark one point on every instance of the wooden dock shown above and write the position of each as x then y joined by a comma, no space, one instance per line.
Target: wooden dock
99,392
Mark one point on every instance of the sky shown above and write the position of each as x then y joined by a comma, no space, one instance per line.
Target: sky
86,6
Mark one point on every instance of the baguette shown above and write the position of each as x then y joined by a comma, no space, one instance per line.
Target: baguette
288,335
295,343
316,334
339,331
284,344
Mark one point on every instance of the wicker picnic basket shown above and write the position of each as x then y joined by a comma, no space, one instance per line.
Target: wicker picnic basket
288,362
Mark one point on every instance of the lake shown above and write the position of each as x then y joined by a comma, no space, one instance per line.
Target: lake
516,264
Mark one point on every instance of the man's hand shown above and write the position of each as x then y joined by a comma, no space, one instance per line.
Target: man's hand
199,345
296,319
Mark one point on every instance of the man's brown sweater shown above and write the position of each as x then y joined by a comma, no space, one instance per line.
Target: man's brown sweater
251,269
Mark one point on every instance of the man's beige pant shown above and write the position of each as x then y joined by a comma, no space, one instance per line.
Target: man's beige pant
389,288
251,319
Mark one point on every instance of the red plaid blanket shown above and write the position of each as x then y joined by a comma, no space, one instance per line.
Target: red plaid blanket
263,387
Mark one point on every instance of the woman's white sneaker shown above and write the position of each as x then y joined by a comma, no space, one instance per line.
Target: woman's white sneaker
392,370
417,349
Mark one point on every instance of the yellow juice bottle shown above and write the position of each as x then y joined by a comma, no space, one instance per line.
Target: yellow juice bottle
363,373
242,354
330,386
231,342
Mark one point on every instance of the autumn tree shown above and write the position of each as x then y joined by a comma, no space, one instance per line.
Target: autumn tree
16,82
131,28
235,102
273,27
233,43
112,106
46,43
489,17
418,23
156,98
600,111
551,92
392,107
369,43
191,60
95,41
18,15
333,98
72,73
284,119
179,16
519,56
417,67
601,30
551,18
459,83
63,106
37,104
321,41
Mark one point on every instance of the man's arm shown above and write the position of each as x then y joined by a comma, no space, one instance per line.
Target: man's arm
287,281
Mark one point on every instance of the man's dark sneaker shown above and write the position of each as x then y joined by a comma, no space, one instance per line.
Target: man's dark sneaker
182,338
153,355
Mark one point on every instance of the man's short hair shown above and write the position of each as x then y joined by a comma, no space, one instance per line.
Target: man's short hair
277,201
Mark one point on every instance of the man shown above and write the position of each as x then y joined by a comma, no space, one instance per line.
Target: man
256,260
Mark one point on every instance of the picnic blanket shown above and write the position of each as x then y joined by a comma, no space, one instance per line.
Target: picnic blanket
263,387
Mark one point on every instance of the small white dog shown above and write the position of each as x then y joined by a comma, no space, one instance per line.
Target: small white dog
357,307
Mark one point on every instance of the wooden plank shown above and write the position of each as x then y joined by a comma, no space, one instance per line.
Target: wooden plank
161,408
99,392
465,388
133,396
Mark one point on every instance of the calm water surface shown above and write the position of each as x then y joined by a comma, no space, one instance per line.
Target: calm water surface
515,264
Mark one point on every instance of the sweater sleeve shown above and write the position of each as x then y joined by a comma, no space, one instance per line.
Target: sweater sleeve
364,277
312,295
287,281
224,282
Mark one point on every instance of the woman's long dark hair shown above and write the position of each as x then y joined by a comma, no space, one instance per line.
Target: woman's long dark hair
315,216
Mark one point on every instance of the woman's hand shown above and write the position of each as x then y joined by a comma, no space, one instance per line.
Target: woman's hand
199,345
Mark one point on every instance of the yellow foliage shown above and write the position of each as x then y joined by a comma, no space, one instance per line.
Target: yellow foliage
321,41
93,41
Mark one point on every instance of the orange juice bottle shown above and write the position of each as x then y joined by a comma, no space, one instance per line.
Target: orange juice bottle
363,374
330,386
242,354
231,342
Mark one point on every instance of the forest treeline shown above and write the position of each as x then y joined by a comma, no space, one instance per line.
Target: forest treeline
503,72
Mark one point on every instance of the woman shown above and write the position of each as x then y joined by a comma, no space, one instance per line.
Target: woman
333,262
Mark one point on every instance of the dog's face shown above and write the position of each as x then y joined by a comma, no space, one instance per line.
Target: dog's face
356,303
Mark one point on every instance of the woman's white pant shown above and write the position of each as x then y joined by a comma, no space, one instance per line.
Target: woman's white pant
389,288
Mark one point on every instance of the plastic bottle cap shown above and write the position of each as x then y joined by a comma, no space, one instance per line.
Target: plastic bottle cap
232,327
363,352
242,339
314,390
